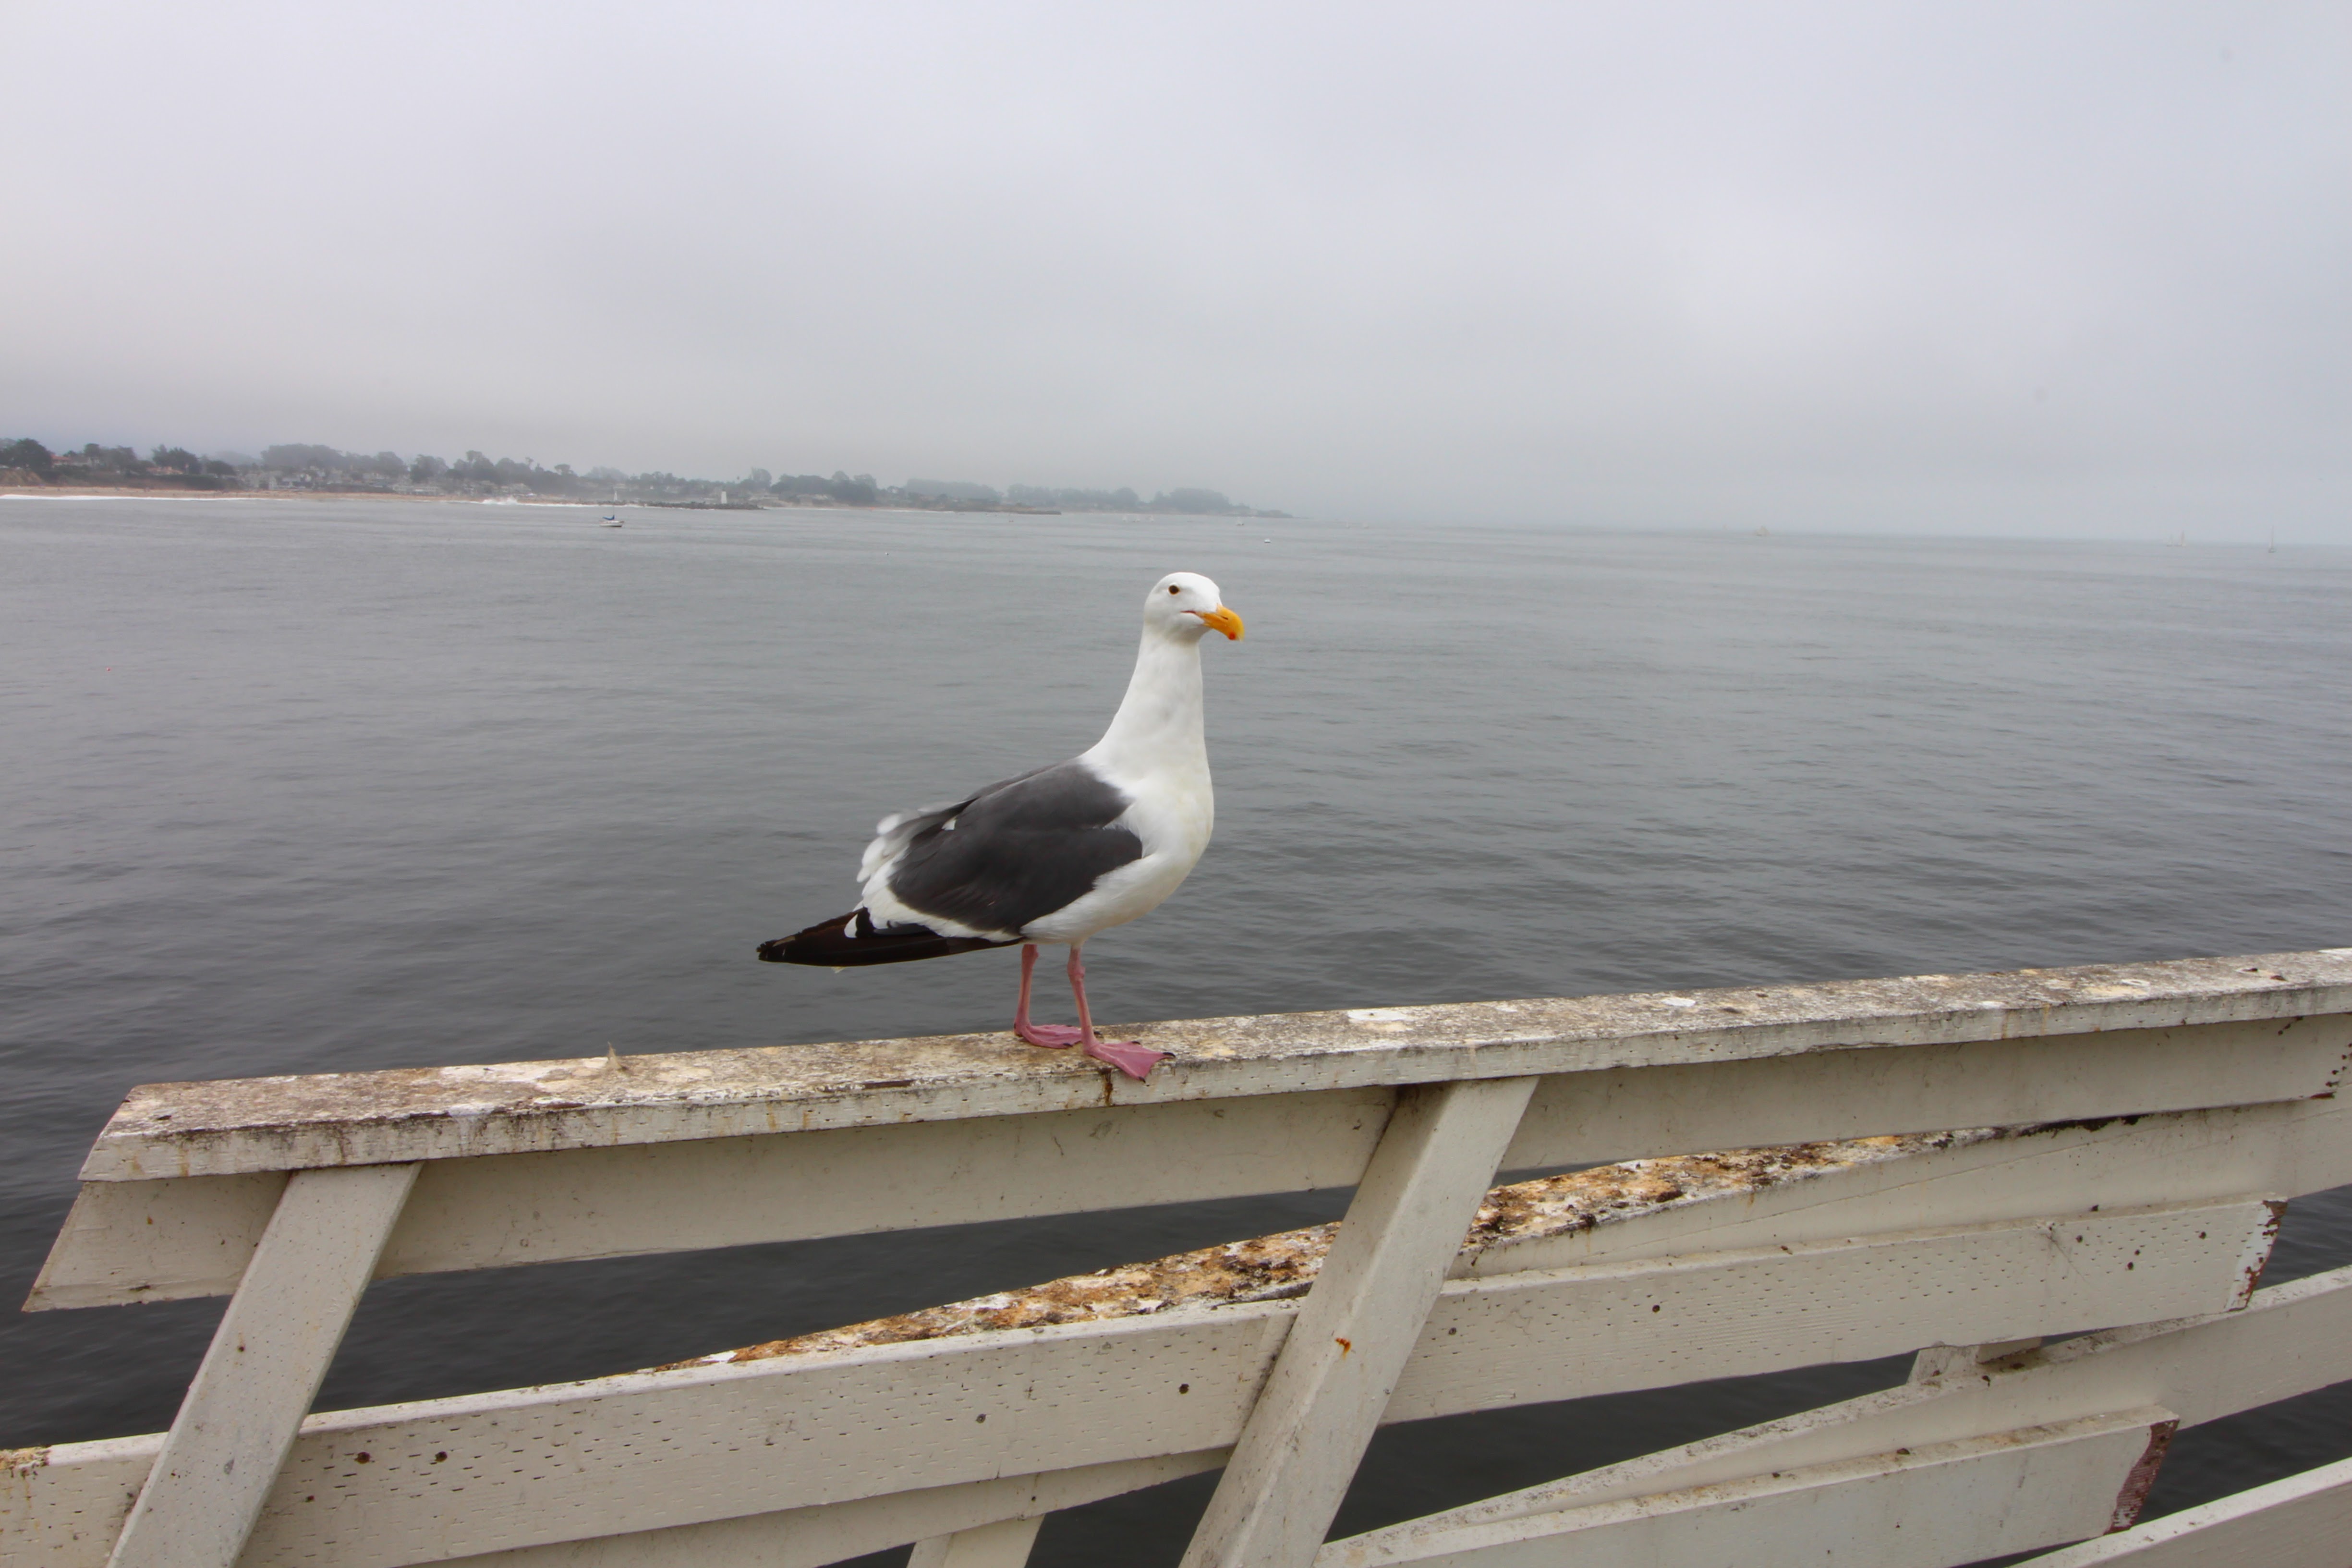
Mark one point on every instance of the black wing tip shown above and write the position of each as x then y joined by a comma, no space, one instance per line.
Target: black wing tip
847,941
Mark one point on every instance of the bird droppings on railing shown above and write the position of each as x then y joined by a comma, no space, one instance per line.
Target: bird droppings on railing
20,1462
1272,1267
341,1118
1606,1195
1264,1269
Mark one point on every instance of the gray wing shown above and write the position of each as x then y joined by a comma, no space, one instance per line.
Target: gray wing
1015,852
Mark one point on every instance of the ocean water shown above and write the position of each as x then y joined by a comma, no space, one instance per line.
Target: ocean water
296,786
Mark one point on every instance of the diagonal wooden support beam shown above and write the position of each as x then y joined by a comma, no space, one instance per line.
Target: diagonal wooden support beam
1004,1544
266,1360
1323,1398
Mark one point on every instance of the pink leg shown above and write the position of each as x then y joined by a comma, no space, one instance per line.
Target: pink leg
1055,1035
1129,1057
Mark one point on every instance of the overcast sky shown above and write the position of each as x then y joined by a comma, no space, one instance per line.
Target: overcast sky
2041,267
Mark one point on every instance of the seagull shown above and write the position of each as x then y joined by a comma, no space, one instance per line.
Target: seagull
1057,853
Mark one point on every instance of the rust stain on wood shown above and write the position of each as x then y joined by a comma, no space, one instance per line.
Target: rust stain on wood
2276,1208
2134,1495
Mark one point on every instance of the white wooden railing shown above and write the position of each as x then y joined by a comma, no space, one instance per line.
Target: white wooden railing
2137,1132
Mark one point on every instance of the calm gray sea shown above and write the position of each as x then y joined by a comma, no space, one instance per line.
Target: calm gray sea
297,786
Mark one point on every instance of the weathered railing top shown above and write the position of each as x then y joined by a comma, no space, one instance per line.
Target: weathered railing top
231,1126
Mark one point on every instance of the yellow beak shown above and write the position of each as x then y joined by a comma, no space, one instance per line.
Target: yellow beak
1225,620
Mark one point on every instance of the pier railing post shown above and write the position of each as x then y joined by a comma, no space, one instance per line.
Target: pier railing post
266,1359
1004,1544
1322,1401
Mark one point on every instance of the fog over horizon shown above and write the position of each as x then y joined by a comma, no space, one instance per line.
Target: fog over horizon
2074,271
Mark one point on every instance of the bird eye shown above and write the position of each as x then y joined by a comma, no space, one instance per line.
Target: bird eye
1171,587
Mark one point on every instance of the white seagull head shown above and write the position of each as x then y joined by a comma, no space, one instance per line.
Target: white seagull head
1187,607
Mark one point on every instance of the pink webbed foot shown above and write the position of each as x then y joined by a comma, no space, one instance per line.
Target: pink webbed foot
1129,1057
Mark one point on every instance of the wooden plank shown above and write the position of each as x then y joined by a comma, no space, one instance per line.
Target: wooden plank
239,1418
651,1450
430,1113
2302,1521
734,1192
1004,1544
156,1241
654,1449
608,1202
77,1514
1627,1112
1357,1326
641,1452
490,1211
1927,1507
814,1537
1653,1322
2287,1148
2289,1340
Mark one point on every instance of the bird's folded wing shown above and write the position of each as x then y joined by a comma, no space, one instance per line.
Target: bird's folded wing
1015,852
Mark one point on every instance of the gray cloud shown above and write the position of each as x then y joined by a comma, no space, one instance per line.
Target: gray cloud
2071,269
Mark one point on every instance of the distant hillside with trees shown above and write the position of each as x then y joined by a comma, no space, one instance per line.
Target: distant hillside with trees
27,461
1183,499
301,466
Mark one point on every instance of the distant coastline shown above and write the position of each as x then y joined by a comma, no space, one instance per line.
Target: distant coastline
28,467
